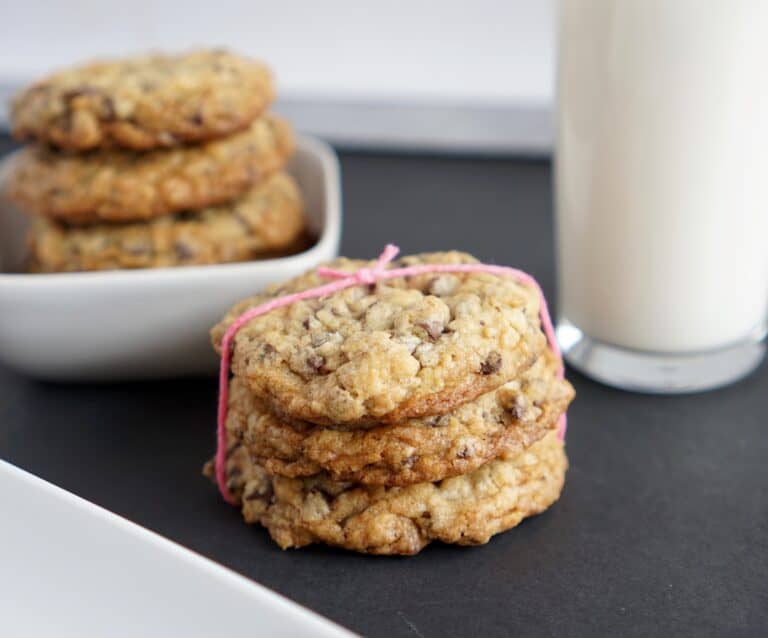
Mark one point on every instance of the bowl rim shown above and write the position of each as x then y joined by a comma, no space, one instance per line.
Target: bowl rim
329,238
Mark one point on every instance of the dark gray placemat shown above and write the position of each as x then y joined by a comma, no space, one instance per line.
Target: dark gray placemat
662,528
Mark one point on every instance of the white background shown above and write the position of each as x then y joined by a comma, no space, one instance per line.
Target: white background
490,56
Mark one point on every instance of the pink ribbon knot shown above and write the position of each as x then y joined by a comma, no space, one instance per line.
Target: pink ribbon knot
366,276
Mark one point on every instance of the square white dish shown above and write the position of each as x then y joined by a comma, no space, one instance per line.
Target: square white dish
71,568
149,323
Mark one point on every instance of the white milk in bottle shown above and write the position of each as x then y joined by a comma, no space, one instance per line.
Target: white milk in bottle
662,190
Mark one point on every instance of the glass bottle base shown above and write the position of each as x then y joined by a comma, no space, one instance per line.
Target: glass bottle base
659,372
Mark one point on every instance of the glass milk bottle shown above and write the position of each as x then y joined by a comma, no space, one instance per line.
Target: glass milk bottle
662,190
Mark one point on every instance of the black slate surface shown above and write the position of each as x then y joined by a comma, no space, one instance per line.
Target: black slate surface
662,528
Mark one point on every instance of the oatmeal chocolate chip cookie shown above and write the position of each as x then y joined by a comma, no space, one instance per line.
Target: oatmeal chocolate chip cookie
119,186
466,510
402,348
505,421
267,219
145,102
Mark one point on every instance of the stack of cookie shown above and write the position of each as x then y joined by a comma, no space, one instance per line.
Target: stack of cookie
383,417
155,161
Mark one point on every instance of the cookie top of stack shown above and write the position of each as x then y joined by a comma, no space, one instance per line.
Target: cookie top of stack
144,102
403,348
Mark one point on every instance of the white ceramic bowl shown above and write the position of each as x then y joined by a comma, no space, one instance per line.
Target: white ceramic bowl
138,324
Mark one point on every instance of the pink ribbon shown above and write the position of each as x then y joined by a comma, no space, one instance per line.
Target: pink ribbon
343,280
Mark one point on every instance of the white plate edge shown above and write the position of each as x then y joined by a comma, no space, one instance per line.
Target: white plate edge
206,566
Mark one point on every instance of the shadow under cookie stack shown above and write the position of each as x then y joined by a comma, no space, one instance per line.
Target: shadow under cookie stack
386,416
155,161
